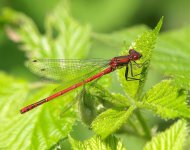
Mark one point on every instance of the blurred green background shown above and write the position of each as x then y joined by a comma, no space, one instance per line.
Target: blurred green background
103,16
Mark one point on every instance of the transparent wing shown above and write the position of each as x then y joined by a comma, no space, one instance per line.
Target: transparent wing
64,70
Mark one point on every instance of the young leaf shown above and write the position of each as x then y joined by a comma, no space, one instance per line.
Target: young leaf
37,129
95,143
171,139
110,120
143,44
172,55
64,37
166,100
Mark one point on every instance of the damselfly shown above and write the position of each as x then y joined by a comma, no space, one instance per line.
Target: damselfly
79,71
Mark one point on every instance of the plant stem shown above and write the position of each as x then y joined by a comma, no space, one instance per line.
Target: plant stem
143,124
134,127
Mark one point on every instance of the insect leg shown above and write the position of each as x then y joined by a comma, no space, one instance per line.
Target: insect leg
126,74
140,65
131,69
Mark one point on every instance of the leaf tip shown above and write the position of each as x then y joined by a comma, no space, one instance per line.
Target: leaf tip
159,25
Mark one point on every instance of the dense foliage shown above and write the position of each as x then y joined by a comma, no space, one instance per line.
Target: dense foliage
109,115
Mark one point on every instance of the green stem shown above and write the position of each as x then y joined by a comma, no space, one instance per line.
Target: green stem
133,125
143,124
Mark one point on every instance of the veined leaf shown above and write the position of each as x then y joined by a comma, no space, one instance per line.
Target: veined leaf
10,90
110,120
166,100
172,56
117,99
143,44
64,37
95,143
87,105
171,139
37,129
94,99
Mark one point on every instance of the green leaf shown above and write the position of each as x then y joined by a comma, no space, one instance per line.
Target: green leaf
64,37
171,139
120,100
95,143
143,44
87,105
172,55
166,100
37,129
110,121
10,90
104,95
93,99
187,143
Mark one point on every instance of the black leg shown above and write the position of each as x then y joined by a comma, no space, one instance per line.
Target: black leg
140,65
137,65
126,72
131,69
132,79
132,75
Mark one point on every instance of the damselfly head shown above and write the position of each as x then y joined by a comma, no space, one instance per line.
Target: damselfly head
134,55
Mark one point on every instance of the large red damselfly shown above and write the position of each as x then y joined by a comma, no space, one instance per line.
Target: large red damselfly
83,71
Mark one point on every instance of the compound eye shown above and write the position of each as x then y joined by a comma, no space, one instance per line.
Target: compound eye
135,57
131,51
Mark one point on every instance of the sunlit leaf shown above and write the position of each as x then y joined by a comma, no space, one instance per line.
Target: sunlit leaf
110,121
166,100
171,139
143,44
95,143
10,90
37,129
